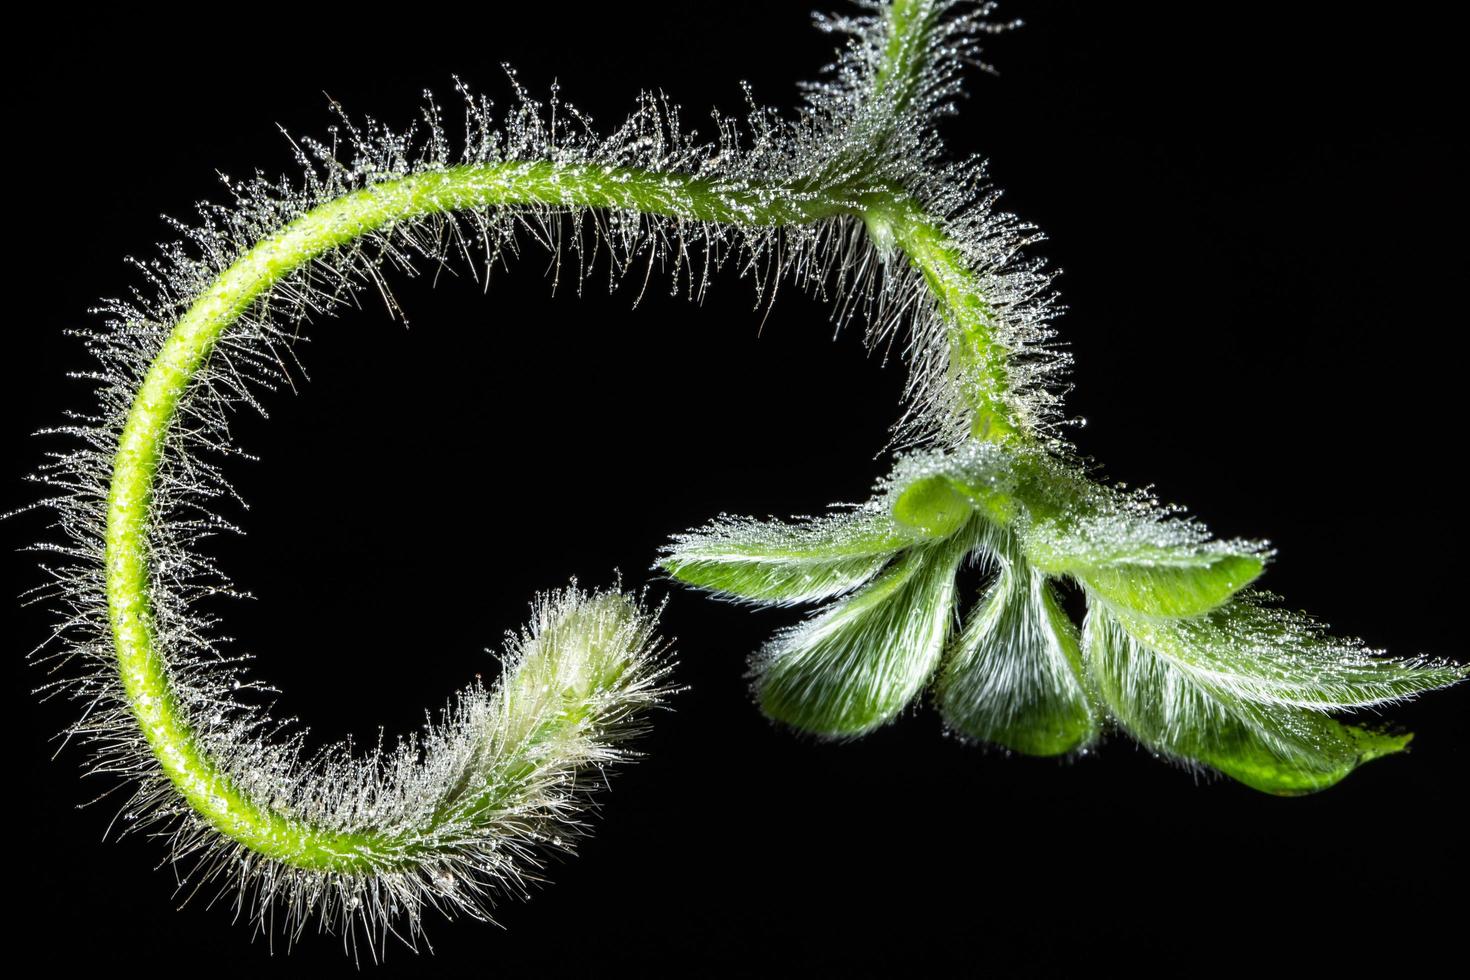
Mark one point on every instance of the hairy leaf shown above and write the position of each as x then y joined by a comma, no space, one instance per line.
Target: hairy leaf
934,506
1124,546
1275,748
855,665
1185,582
779,563
1014,677
978,475
1253,652
1135,554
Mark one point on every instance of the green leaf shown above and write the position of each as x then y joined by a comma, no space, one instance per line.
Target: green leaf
1014,677
933,506
1126,549
1123,546
1351,744
1186,582
1270,747
780,563
1250,651
925,489
856,665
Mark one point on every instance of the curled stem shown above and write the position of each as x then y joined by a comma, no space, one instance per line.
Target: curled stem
892,217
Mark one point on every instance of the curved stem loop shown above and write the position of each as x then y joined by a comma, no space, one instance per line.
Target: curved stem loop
892,216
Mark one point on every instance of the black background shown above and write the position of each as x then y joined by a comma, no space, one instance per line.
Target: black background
1255,211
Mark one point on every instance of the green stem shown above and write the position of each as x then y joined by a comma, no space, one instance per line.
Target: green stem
974,353
141,665
896,218
893,218
908,22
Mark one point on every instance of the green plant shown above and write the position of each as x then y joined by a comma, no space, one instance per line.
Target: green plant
854,196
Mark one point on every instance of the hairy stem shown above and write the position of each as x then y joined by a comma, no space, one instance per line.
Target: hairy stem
973,350
141,664
898,219
908,22
893,218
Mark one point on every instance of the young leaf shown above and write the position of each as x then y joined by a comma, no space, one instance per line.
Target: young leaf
1125,549
1174,711
855,666
1014,677
1181,583
925,486
934,506
1253,652
780,563
1124,546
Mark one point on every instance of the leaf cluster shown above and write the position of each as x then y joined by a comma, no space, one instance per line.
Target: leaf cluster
1175,648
